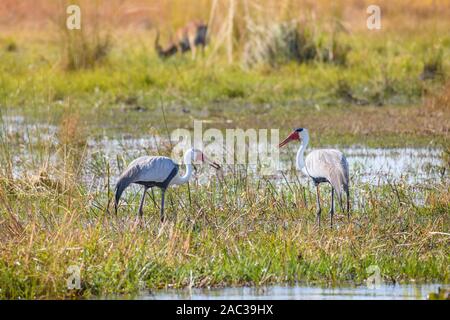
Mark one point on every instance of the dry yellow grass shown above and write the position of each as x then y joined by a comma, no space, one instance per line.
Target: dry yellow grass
51,219
396,15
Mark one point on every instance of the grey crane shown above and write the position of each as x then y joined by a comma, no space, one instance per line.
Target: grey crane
323,165
161,172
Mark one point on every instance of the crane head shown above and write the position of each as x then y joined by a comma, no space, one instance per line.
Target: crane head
295,135
199,156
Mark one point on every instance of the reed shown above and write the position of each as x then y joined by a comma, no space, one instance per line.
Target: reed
235,230
55,193
87,47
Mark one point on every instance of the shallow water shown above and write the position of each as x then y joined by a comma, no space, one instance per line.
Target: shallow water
374,166
367,165
382,292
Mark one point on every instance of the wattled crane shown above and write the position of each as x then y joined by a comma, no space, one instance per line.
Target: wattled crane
161,172
323,165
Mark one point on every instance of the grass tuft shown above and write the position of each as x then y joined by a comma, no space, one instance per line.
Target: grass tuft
278,43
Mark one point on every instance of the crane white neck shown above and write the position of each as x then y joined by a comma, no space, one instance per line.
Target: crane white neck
188,156
300,160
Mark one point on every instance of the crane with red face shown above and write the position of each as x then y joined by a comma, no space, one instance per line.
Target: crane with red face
322,165
160,172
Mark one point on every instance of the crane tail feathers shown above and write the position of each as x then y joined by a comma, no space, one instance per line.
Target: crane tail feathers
121,185
340,181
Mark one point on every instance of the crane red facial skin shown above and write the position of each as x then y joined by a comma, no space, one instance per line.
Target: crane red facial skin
293,136
213,164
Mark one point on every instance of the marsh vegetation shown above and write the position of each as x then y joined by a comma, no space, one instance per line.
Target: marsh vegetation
72,118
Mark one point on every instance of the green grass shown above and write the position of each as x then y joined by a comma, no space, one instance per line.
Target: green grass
235,232
124,93
239,230
212,241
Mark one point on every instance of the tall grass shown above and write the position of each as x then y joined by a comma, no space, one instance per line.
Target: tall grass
86,47
234,230
381,68
83,52
55,201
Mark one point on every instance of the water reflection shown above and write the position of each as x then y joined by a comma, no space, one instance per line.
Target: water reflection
383,292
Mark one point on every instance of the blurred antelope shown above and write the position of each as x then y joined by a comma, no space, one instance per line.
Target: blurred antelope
187,38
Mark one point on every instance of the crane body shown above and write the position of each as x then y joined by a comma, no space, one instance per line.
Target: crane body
322,166
160,172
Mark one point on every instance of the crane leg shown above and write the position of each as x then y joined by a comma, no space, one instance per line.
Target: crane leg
141,205
319,209
163,191
332,207
348,203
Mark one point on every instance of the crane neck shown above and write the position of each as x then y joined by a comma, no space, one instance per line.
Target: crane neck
300,160
189,169
187,175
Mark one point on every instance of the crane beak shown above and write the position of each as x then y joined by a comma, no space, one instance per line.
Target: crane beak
293,136
215,165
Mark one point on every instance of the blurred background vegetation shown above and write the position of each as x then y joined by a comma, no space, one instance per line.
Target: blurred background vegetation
269,64
266,60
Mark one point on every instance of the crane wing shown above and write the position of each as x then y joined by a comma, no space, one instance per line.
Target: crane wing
149,169
329,164
145,169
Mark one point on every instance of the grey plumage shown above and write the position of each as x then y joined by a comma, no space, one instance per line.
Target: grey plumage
331,165
149,171
158,172
121,185
324,165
